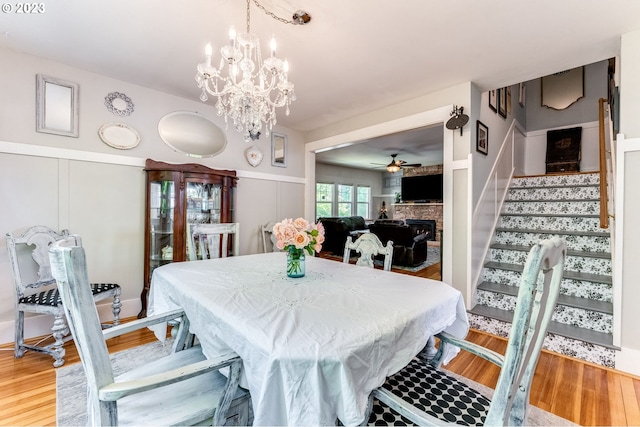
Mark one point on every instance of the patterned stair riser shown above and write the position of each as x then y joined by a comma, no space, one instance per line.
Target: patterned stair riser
580,264
554,193
559,223
579,317
574,242
571,287
569,180
574,348
541,208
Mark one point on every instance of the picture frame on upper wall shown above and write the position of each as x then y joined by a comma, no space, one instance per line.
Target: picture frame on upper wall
482,138
56,106
522,94
508,99
502,102
493,100
278,150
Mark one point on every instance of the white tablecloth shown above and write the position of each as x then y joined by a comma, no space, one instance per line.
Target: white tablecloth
313,347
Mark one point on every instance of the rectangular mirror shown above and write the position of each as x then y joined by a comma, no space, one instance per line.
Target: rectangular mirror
56,106
278,150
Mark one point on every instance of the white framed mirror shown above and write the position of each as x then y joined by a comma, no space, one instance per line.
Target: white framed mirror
56,106
192,134
278,150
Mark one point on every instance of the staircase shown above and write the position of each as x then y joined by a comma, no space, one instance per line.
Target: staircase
537,208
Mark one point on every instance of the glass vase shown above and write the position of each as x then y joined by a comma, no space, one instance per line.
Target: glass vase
295,262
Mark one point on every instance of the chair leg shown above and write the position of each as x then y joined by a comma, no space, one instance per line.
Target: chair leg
19,341
59,330
115,307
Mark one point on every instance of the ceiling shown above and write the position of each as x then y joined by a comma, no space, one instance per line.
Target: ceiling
354,57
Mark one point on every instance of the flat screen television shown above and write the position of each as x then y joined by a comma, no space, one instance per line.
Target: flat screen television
423,188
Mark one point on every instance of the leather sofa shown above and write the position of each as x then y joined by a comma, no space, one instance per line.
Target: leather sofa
337,229
409,249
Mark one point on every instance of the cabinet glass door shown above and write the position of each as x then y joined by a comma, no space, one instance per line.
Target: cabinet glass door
203,206
203,203
161,216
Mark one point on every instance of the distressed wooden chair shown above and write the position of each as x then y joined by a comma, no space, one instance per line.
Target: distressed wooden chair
183,388
369,245
424,395
212,240
266,232
37,292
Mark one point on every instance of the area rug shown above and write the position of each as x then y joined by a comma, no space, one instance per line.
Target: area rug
433,256
71,387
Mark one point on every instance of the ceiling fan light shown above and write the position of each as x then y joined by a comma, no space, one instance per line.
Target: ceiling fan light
393,167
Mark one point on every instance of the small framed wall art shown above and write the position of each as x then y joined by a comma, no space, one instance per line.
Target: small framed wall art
493,100
482,138
502,102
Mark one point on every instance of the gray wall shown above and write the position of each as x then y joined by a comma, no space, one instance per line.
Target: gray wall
584,110
98,191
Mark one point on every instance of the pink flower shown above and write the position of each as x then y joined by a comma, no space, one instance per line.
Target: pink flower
299,234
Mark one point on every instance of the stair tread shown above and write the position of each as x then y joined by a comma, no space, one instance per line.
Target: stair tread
532,187
561,232
569,331
570,252
567,274
550,215
570,301
549,200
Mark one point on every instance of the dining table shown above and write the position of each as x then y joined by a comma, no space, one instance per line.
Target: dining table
313,348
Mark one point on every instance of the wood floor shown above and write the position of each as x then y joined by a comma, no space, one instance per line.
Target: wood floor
578,391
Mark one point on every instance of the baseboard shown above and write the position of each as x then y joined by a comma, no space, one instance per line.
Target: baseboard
627,361
37,326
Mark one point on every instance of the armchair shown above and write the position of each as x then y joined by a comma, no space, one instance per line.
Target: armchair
183,388
411,392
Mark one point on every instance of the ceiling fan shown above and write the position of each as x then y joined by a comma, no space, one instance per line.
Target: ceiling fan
397,164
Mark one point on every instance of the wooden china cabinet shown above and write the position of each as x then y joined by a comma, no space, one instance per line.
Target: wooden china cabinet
177,197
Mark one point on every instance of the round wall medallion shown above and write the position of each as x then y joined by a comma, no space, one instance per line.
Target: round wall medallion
119,104
254,155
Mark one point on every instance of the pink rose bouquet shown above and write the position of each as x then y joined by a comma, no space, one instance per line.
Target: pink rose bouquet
299,234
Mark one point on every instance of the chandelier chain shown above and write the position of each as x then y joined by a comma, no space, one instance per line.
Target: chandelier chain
271,14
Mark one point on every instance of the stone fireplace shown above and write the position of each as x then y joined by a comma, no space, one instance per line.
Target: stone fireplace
421,213
423,226
418,212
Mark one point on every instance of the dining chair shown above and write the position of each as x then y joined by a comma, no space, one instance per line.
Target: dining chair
266,231
212,240
368,245
36,290
422,394
183,388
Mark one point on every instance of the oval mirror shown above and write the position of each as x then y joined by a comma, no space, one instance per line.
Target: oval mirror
191,134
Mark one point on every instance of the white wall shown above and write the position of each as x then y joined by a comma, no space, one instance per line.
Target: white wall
98,191
628,230
535,147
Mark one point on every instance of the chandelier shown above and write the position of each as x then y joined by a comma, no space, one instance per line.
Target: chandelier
251,89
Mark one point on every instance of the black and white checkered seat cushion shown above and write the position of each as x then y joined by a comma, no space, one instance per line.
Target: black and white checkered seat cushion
434,392
51,297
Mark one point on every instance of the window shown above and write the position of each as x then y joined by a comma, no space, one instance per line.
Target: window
345,200
324,199
362,202
348,203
